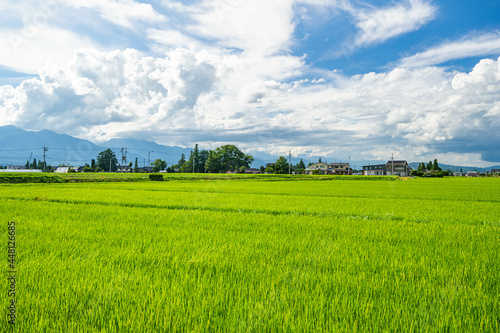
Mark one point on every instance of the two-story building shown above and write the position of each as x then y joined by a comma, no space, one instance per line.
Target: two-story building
322,168
396,168
374,170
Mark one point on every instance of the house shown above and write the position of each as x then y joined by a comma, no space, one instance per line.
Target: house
63,169
374,170
125,169
16,167
457,174
252,171
397,168
472,174
340,168
150,169
322,168
495,170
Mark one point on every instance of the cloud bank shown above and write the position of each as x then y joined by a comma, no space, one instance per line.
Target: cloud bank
187,97
227,74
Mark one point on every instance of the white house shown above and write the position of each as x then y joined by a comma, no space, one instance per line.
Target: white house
63,169
328,169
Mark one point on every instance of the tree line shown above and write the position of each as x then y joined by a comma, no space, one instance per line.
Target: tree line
222,159
430,169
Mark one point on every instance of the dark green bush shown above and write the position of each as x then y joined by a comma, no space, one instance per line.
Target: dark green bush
156,177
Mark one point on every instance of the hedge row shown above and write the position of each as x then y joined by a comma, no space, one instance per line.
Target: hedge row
29,178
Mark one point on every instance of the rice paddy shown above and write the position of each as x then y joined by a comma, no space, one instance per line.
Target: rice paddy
254,255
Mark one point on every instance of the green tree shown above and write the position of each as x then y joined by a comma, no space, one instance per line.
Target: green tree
262,169
105,159
202,159
281,165
301,165
182,161
429,166
159,165
92,164
435,166
231,158
269,169
193,163
33,165
212,163
136,166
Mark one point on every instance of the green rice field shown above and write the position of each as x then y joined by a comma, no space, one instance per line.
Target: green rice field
255,254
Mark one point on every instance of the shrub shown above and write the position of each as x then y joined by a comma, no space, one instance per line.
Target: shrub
416,173
156,177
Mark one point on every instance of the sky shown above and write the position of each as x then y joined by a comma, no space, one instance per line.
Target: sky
417,79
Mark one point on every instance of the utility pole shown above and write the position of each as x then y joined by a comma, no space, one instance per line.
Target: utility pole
349,166
109,162
392,158
149,162
44,155
124,157
289,162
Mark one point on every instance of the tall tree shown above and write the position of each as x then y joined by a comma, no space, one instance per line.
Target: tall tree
281,165
181,161
33,165
429,166
202,159
136,166
435,166
212,163
301,165
106,158
92,164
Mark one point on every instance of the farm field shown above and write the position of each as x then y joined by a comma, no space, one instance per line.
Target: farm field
256,255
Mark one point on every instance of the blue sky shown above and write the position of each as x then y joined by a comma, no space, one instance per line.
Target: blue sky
415,78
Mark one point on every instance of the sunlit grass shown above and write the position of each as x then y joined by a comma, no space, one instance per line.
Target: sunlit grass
256,256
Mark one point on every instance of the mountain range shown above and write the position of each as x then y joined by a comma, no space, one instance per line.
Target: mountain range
17,146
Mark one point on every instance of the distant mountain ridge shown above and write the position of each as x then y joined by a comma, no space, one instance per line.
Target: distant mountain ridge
17,145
